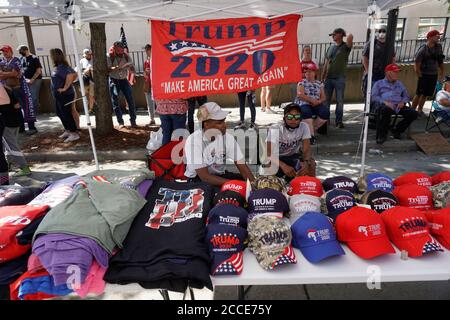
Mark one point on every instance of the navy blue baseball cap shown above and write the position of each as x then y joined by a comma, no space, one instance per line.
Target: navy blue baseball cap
229,197
267,201
314,234
338,201
379,181
228,214
226,245
340,182
379,200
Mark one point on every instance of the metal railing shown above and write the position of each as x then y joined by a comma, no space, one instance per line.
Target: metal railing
405,51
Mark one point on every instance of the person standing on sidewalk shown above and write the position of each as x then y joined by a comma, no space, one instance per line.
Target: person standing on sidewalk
172,113
266,98
148,84
87,70
63,77
11,75
10,113
428,61
251,98
32,71
119,62
192,102
4,102
334,71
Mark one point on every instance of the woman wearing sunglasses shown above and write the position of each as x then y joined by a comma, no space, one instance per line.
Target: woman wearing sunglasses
288,145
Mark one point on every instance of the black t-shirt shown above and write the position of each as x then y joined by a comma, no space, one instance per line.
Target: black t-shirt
9,113
165,246
379,55
29,65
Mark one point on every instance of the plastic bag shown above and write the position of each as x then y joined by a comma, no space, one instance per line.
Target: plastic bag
155,141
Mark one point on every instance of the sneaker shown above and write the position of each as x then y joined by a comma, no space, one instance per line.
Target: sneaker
439,120
253,126
30,132
241,125
72,137
121,126
339,125
313,140
64,135
26,171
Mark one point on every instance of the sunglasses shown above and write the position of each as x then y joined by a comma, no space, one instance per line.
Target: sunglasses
381,31
294,116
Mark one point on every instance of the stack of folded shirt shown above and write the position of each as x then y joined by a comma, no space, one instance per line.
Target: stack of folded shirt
16,195
56,192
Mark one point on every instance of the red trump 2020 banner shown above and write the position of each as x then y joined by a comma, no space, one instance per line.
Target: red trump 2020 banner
223,56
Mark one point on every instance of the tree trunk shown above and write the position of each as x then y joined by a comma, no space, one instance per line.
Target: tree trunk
103,117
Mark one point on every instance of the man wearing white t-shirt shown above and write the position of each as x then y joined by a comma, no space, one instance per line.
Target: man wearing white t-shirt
207,149
288,145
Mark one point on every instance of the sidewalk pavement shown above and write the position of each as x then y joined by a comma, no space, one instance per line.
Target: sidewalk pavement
337,141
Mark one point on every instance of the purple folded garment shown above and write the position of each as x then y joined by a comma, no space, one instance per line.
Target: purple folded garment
143,187
64,255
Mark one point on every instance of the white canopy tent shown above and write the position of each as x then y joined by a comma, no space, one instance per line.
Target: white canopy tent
76,11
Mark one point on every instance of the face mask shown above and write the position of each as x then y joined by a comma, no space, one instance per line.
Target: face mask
381,35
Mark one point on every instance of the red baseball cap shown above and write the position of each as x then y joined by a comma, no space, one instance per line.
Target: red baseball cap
433,33
417,178
440,177
6,47
439,222
238,186
306,185
413,196
310,66
407,228
364,232
392,67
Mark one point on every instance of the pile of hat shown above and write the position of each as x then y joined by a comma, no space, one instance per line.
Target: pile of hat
269,230
227,229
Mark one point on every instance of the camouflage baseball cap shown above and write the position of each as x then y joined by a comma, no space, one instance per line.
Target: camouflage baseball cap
270,240
441,194
271,182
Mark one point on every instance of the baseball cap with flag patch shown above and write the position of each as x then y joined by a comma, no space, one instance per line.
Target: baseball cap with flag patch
306,185
229,197
440,177
228,214
414,196
416,178
269,239
271,182
226,246
408,230
441,194
340,182
364,232
379,200
238,186
299,204
314,234
376,181
439,222
267,201
338,201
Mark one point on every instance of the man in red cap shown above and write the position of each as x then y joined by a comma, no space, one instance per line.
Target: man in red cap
428,61
390,96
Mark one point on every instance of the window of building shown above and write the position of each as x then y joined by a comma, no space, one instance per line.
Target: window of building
400,28
428,24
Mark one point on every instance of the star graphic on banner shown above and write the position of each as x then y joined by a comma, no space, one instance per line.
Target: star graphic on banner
184,43
203,46
194,44
173,46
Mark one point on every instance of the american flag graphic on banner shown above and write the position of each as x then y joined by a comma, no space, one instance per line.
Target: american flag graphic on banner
288,256
123,39
233,265
192,48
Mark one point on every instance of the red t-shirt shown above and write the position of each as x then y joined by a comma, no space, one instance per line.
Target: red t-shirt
147,73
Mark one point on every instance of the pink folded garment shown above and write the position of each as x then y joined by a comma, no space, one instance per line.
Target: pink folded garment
34,264
94,281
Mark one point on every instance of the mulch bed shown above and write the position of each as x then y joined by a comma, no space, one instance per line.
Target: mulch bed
119,139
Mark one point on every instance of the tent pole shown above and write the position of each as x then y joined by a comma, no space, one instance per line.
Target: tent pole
372,20
83,94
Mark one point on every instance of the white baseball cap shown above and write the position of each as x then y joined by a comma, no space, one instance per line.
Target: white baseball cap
211,111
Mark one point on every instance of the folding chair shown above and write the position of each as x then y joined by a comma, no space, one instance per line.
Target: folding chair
435,109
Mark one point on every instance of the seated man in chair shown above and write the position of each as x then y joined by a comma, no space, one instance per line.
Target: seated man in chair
389,96
443,102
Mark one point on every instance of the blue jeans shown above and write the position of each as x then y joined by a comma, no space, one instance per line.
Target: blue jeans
251,99
170,123
337,84
115,86
200,100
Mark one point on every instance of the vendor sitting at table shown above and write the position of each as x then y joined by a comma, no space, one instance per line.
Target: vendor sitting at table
288,145
207,149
